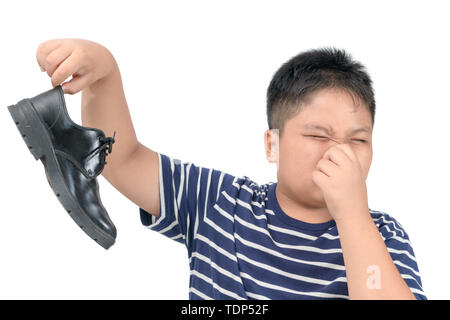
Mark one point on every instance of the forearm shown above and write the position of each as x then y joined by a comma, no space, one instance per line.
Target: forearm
371,272
103,106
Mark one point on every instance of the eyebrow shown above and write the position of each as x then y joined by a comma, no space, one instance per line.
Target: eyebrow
327,130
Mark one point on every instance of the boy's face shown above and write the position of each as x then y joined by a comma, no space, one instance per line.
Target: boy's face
303,144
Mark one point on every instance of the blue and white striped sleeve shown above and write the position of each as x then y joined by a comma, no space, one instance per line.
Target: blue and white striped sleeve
401,251
186,192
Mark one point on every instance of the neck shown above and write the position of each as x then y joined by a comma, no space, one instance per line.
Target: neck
301,211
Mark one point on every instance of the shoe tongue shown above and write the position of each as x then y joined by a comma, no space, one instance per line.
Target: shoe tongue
83,149
92,162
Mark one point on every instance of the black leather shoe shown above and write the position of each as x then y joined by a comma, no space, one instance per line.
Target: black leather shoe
73,156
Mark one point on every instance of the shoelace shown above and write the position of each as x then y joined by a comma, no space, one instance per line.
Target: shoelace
106,147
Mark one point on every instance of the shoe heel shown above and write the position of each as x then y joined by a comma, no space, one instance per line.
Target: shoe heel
30,127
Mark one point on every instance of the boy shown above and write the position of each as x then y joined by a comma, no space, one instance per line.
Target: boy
310,235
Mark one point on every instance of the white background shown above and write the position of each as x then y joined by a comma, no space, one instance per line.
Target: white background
195,75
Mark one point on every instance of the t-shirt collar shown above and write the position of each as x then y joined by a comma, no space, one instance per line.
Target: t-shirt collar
279,213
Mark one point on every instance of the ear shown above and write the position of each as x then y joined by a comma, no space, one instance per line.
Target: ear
271,144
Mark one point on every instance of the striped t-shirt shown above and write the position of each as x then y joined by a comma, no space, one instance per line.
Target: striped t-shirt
241,245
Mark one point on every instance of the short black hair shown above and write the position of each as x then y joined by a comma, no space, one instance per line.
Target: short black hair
310,71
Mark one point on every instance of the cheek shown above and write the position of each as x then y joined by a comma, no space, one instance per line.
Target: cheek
365,160
312,155
299,161
299,156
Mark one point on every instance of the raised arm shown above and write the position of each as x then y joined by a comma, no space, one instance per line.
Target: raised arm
131,168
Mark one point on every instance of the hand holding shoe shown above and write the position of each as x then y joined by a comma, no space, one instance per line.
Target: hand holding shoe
73,155
86,61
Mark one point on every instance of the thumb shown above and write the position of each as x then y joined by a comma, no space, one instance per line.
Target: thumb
76,84
65,86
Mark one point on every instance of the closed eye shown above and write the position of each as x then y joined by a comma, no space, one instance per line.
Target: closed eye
320,137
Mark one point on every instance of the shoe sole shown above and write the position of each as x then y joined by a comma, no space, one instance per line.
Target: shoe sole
38,141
